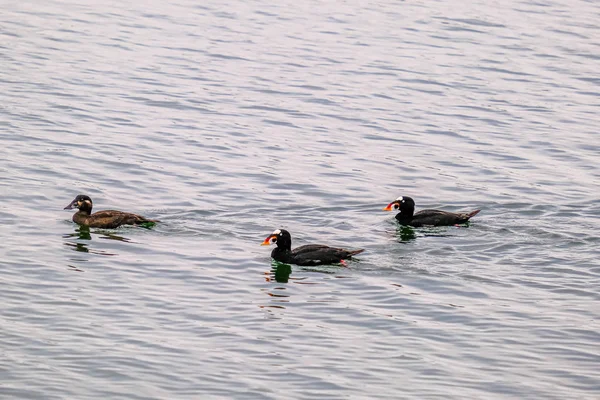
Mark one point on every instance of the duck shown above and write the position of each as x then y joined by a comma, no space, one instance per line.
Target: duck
108,219
307,255
407,215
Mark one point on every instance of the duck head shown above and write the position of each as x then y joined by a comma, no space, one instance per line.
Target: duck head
280,237
403,203
82,202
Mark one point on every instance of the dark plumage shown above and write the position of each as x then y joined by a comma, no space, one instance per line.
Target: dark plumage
310,254
108,219
407,215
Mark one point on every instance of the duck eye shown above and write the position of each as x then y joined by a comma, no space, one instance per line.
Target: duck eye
404,201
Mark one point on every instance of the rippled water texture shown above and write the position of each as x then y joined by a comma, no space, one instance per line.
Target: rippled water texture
227,120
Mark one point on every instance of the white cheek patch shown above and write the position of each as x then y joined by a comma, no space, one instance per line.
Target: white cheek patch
276,232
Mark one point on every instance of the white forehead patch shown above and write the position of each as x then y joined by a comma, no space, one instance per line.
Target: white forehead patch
276,232
400,198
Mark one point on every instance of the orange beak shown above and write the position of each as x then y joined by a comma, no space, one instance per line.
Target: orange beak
389,207
267,241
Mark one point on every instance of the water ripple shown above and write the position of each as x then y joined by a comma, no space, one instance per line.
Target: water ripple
227,121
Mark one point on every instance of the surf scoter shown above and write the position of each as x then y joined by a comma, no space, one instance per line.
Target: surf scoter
407,215
310,254
108,219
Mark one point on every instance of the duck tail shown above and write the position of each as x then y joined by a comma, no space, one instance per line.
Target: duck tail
355,252
472,213
143,220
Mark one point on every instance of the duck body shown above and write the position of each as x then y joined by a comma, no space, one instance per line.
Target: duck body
313,254
108,219
407,215
307,255
435,218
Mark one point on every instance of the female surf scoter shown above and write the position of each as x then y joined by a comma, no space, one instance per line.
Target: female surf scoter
407,215
310,254
108,219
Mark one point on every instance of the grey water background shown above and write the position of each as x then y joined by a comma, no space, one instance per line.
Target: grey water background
229,119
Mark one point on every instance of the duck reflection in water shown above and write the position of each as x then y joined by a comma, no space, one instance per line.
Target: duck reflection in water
83,233
280,272
405,233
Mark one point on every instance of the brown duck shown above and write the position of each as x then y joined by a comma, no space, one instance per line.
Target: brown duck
108,219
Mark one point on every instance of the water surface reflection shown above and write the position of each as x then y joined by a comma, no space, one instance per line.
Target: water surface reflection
280,272
83,233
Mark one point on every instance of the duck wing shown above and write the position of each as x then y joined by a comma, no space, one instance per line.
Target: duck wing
308,248
111,219
440,218
317,254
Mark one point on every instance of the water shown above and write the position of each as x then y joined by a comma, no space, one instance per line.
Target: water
227,120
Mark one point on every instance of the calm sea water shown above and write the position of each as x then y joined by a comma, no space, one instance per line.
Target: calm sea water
227,120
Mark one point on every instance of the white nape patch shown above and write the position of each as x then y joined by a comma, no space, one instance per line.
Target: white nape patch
399,198
276,232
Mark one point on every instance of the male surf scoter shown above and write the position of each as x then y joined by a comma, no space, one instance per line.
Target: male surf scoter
310,254
108,219
407,215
